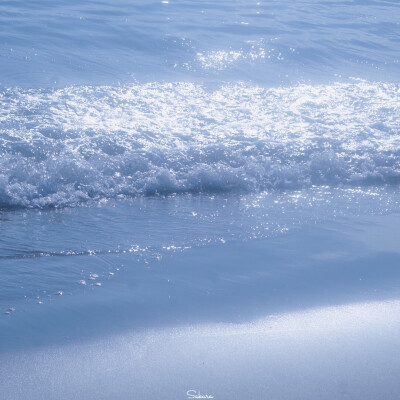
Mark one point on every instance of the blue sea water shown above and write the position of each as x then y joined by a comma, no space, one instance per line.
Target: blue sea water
218,154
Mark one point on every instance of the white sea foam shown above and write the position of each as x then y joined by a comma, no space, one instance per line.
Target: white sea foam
61,147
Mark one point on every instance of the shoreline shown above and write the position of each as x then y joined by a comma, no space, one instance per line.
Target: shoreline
339,263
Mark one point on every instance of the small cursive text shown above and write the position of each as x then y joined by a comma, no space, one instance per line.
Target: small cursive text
193,394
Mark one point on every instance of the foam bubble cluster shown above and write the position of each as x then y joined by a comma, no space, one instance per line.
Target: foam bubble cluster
62,147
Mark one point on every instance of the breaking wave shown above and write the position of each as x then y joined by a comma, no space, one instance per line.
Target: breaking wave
62,147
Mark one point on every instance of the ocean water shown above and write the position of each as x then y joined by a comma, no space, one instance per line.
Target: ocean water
165,164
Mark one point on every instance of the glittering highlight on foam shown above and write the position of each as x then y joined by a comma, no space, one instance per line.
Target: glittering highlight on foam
61,147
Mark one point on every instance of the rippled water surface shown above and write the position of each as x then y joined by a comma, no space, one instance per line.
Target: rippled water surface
59,43
130,129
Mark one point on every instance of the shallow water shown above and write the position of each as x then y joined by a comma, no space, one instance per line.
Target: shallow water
256,142
317,306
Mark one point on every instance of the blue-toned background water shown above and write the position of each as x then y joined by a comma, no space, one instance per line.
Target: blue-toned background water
253,117
178,162
133,130
51,44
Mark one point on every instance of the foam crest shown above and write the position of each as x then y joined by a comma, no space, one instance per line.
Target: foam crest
62,147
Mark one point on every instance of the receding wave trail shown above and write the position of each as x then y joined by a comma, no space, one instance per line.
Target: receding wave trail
62,147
